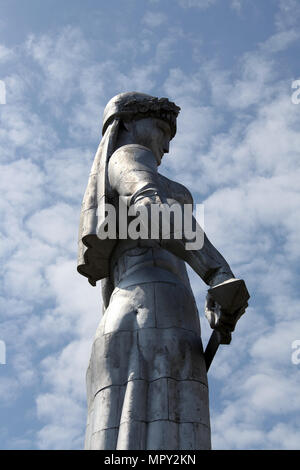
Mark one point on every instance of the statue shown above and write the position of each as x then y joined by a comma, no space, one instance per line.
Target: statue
147,377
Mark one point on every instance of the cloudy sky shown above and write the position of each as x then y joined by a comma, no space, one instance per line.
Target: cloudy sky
230,66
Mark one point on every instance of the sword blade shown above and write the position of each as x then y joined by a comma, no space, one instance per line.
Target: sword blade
211,348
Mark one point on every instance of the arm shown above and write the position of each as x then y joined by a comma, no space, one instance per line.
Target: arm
132,173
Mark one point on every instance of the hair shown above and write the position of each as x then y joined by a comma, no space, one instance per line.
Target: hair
132,106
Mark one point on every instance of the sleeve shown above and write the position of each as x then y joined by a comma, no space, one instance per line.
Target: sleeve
133,175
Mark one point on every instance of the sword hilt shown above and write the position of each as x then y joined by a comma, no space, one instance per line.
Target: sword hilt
232,296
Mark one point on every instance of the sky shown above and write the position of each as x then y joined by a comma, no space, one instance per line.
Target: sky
230,65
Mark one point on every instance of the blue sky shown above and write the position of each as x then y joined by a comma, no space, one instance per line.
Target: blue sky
230,66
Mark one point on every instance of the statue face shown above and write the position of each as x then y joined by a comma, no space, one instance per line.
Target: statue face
153,133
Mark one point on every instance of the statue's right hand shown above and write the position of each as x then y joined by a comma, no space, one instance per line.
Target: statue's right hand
220,320
212,311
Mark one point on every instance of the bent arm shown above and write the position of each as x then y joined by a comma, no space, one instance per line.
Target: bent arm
207,262
132,173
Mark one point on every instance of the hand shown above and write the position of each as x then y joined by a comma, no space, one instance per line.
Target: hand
212,311
222,321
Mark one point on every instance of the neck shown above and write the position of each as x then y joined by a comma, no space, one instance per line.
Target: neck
126,138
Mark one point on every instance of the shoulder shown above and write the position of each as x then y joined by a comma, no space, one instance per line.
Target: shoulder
133,155
129,166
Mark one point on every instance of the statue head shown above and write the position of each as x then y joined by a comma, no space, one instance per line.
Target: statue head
146,120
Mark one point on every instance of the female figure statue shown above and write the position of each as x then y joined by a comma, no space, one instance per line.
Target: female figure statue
146,381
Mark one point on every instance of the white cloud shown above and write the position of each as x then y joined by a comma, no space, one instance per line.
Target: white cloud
273,394
288,14
59,372
154,19
236,437
60,58
78,304
280,41
25,270
5,53
24,369
64,410
23,133
14,307
252,416
21,186
252,86
55,226
284,436
8,389
181,85
236,5
68,416
275,347
66,174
